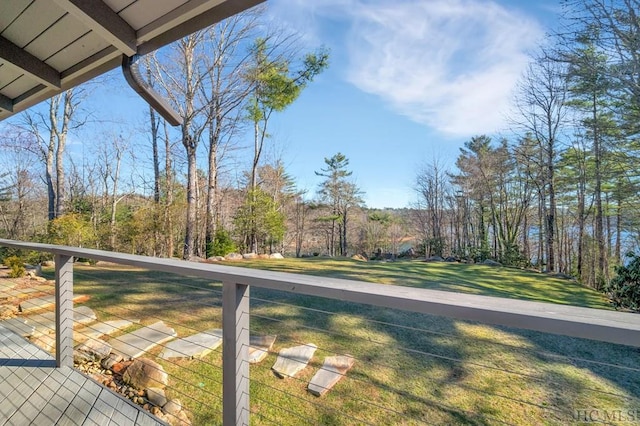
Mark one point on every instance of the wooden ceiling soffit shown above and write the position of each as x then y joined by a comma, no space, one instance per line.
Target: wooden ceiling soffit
95,14
28,63
151,42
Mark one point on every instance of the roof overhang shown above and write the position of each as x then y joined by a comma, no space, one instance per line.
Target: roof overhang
48,46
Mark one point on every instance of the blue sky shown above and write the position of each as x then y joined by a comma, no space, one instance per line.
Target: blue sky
409,82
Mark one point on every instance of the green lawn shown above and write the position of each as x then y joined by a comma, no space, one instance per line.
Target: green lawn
410,369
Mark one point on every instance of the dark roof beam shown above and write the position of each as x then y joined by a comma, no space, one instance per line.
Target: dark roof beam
6,103
98,16
28,63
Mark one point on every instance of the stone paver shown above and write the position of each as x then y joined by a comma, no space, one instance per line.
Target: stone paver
46,322
19,326
136,343
21,293
333,369
43,323
43,302
259,347
105,328
7,285
195,346
292,360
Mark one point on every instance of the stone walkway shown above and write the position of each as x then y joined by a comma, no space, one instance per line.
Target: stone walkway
40,327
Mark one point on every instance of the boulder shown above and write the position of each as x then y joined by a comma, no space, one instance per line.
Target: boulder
435,259
233,256
276,256
156,396
263,256
144,373
249,256
180,419
172,407
359,258
490,262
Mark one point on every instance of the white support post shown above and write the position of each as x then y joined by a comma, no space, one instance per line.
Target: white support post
64,310
235,354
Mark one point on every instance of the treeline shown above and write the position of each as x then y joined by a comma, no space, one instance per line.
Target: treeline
560,194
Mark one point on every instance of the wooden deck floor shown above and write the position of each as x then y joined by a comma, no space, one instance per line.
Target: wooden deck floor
34,392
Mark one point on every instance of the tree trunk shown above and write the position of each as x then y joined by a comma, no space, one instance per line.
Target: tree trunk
114,199
156,176
168,220
190,229
215,129
618,248
51,189
551,212
601,273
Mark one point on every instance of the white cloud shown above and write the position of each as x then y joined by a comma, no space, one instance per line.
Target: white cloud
449,64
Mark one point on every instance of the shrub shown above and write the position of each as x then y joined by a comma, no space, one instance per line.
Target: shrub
221,245
624,288
16,265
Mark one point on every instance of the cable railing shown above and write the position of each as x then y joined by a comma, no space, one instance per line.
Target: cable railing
419,356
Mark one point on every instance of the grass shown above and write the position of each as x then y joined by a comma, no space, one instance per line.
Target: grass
410,369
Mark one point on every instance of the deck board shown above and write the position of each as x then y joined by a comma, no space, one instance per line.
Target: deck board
33,391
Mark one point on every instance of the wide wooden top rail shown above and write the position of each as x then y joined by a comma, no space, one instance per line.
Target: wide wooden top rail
607,326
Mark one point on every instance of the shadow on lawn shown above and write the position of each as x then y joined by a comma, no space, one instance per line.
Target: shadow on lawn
427,362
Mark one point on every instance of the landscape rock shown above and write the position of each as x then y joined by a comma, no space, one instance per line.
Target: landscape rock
263,256
359,258
490,262
145,373
276,256
172,407
96,348
156,396
435,259
120,367
233,256
111,360
249,256
181,419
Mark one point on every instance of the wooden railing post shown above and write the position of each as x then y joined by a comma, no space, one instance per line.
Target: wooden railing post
64,310
235,354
